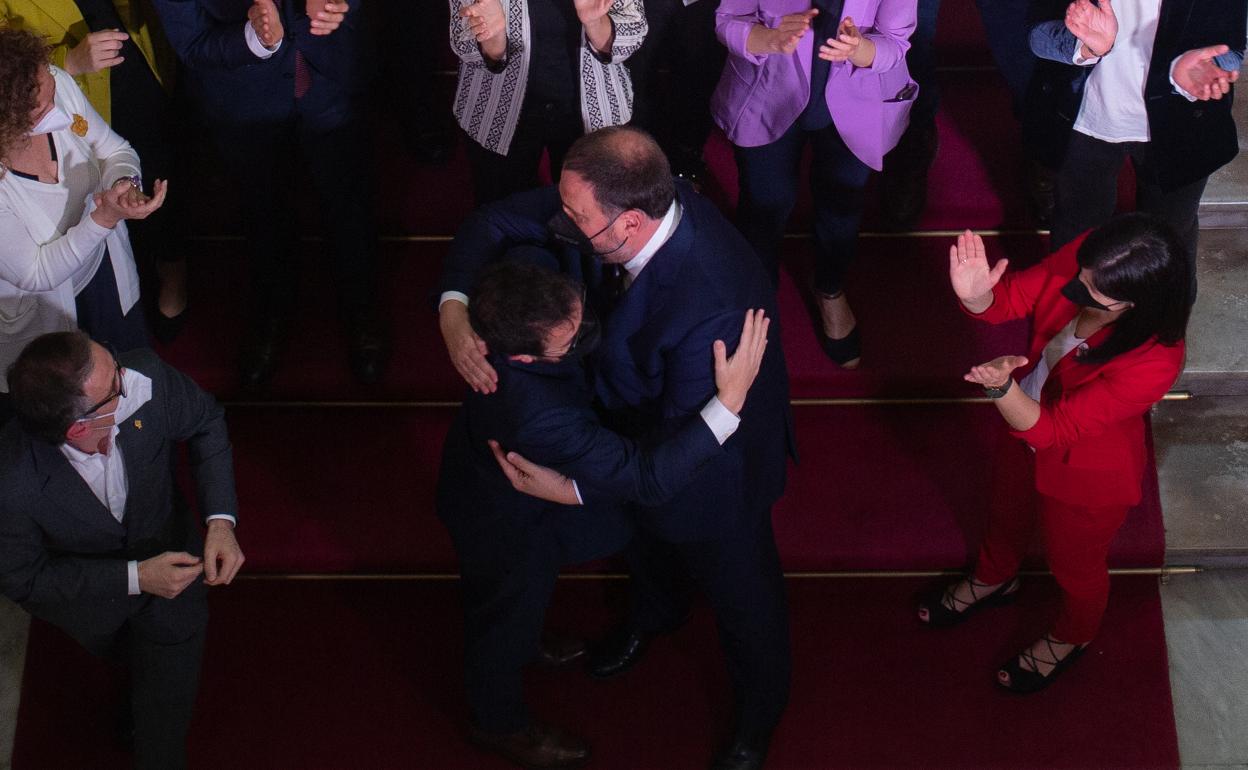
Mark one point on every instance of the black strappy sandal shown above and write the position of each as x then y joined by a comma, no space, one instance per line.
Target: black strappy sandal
944,609
1024,681
845,352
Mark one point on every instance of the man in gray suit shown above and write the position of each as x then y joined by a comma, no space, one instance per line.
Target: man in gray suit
94,536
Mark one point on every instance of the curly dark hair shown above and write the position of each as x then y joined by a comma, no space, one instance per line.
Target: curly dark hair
21,55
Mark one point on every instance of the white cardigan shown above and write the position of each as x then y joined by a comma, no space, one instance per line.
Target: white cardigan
50,247
487,104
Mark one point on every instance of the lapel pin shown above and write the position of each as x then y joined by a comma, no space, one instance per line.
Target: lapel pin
138,424
79,126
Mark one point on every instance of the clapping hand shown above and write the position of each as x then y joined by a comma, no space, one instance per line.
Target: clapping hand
266,22
848,45
1096,26
97,51
328,17
1197,73
125,201
734,375
969,274
783,38
996,372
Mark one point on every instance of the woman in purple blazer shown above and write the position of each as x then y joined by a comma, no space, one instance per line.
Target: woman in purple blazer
851,54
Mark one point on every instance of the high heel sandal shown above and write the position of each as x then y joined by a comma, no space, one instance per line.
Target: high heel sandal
1025,681
945,609
845,351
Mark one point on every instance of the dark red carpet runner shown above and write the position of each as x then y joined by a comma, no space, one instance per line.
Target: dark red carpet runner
335,675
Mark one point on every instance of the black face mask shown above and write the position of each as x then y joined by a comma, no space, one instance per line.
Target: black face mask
564,230
587,336
1078,293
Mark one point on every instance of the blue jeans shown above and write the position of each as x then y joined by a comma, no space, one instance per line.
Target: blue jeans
769,176
1005,22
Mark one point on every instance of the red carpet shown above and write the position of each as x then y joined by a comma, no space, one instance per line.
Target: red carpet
895,282
332,675
882,487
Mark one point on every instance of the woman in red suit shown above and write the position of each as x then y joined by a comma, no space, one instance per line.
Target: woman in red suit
1109,312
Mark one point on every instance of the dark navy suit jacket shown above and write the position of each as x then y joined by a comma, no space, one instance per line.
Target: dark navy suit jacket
654,367
234,85
543,410
1192,139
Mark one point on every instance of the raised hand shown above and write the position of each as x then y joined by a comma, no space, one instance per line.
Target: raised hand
996,372
590,11
466,349
783,38
1096,26
169,574
326,16
848,45
734,375
1197,74
97,51
485,19
267,23
969,274
533,479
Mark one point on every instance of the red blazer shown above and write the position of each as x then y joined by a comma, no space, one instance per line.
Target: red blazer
1089,440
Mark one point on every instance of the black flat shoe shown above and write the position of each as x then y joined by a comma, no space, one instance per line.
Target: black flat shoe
167,328
942,613
1024,681
845,352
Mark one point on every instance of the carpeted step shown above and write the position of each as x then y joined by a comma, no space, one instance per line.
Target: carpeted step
917,343
332,674
342,490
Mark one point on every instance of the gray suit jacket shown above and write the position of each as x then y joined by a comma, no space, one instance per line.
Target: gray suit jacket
62,554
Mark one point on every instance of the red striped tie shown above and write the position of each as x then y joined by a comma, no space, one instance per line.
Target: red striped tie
303,75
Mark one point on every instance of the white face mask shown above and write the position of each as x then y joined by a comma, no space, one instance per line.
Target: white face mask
56,119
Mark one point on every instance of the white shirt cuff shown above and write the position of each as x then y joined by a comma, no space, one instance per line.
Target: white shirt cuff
722,422
132,578
1177,88
254,44
447,296
233,521
1079,60
575,488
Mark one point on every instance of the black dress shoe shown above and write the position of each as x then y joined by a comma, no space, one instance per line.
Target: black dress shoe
739,755
559,651
261,353
369,347
536,746
617,653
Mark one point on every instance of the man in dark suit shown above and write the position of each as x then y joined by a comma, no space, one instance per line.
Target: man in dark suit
511,545
94,537
679,277
272,84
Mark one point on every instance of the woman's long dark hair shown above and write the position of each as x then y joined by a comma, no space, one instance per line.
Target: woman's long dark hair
1137,258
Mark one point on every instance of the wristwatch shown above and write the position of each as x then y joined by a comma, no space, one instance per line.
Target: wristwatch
135,181
998,392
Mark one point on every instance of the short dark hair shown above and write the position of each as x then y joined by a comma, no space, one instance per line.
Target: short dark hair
46,384
626,169
1137,258
516,304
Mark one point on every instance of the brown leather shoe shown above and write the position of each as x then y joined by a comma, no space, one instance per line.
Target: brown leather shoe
559,651
535,747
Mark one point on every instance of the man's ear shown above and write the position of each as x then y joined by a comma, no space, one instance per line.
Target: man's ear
76,430
633,219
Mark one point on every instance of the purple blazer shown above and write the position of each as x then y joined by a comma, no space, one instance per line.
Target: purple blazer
759,97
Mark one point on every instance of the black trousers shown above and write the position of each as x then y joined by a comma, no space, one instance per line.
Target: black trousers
330,139
161,642
674,105
740,575
1087,192
508,569
542,126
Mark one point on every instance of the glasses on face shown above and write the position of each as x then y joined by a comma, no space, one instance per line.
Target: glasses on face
118,391
586,331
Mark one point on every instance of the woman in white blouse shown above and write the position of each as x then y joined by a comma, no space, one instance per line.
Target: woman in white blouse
67,183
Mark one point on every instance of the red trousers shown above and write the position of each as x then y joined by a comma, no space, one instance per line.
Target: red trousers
1076,541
